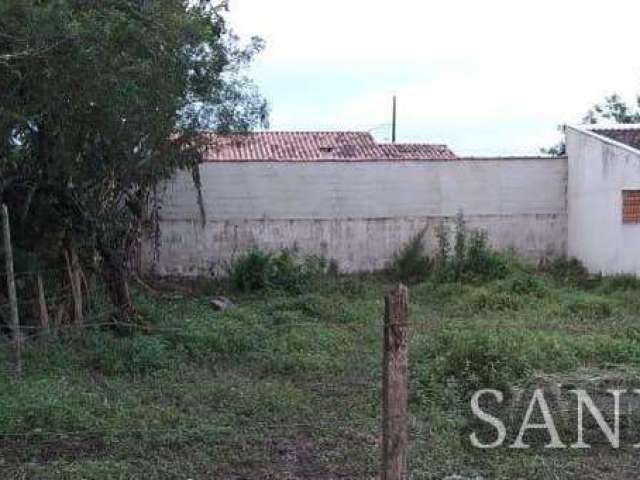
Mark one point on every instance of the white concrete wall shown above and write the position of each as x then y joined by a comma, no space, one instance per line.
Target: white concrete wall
358,213
598,172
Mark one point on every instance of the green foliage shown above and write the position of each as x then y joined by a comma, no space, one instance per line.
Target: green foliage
44,405
583,306
472,259
459,246
485,299
569,272
154,401
470,360
131,355
618,283
481,262
251,271
612,109
258,270
615,109
444,244
92,97
411,263
524,283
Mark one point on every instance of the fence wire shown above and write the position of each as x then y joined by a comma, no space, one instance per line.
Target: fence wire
296,397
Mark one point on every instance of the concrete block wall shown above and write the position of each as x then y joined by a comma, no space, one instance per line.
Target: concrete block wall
358,213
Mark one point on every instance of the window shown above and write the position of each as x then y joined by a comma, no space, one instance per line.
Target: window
631,206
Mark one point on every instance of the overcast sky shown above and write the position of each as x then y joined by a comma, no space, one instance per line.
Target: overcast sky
484,76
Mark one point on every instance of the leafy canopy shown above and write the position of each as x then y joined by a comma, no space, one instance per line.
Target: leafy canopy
613,109
102,99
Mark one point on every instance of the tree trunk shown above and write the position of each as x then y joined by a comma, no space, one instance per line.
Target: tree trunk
42,306
75,280
116,276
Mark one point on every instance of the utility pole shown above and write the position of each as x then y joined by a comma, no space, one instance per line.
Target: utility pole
393,123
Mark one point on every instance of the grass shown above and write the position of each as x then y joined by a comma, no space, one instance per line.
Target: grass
286,385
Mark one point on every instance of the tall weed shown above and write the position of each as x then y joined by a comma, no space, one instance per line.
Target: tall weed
411,263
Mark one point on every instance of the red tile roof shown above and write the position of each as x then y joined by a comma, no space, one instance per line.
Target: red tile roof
315,146
415,151
629,136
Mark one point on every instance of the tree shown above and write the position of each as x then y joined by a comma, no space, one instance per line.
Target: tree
613,109
100,101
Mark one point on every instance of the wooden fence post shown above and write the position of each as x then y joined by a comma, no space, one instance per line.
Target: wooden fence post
11,290
395,385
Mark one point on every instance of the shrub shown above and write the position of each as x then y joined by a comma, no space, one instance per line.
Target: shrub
482,263
523,283
570,272
411,263
257,270
251,271
472,259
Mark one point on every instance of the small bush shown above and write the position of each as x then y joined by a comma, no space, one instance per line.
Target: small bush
523,283
482,263
252,271
472,259
570,272
411,264
257,270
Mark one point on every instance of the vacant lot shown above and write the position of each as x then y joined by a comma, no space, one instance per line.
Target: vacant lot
286,386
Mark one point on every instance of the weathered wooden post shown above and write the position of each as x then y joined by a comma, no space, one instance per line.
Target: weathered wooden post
11,291
395,385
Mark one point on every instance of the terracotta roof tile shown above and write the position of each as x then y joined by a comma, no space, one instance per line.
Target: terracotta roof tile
315,146
415,151
628,136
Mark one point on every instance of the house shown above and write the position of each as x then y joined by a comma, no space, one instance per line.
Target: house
346,197
603,196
